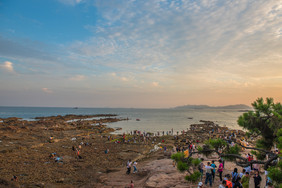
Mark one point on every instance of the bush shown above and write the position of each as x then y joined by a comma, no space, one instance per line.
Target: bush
216,143
179,156
275,173
196,162
193,177
200,148
181,166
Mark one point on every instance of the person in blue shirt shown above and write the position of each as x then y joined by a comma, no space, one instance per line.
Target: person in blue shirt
213,170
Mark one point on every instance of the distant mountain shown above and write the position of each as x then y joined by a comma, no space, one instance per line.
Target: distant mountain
236,107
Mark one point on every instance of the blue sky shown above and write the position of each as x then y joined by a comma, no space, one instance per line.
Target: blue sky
159,53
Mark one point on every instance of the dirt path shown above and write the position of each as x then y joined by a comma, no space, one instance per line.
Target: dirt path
156,171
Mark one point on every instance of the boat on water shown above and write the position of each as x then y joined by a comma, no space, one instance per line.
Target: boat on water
137,119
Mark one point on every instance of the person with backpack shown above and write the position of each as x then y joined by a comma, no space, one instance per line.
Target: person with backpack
238,184
234,176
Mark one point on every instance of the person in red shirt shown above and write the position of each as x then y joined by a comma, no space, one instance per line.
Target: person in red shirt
228,184
228,181
131,185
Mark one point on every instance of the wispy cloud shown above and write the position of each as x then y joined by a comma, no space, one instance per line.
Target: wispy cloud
78,78
71,2
155,84
47,90
8,66
121,78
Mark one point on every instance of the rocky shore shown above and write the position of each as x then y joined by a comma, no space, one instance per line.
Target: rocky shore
26,147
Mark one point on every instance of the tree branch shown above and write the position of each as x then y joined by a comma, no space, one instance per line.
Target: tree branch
244,161
258,149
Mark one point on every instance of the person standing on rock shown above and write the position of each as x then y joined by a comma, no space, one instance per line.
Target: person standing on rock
128,166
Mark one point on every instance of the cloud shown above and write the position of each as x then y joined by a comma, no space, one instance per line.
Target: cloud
8,66
78,78
155,84
122,78
181,46
177,37
47,90
71,2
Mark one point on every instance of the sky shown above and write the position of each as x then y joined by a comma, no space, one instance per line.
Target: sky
139,53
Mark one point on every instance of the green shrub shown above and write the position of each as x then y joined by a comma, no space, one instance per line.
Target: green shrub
193,177
179,156
200,148
181,166
196,162
216,143
275,173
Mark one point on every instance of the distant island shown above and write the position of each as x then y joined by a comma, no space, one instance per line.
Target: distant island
235,107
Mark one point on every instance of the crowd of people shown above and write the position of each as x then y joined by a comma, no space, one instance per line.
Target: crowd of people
234,179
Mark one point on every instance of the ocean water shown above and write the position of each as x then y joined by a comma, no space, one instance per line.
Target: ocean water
151,120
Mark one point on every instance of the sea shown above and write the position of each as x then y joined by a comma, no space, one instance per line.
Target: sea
149,120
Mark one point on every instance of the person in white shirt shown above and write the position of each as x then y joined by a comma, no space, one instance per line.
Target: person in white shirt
208,174
128,166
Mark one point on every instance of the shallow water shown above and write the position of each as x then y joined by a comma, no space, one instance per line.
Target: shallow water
151,120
